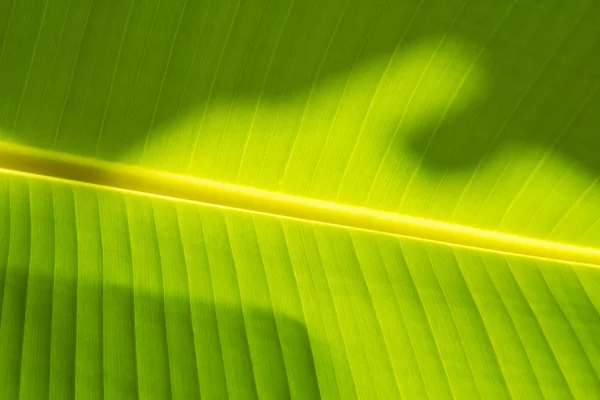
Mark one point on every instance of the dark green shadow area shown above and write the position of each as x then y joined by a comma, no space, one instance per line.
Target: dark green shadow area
87,312
106,74
100,78
544,70
69,339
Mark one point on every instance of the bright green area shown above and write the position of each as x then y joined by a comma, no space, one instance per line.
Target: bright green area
480,112
117,295
483,113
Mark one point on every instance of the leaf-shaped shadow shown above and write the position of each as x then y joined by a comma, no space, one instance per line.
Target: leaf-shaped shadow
88,339
105,78
295,95
545,95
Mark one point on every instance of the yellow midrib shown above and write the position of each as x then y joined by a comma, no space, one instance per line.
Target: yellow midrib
21,160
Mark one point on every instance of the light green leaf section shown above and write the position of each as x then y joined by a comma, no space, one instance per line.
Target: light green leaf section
478,113
115,295
482,113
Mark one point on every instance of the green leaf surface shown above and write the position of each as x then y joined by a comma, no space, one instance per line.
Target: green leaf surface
481,114
115,295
